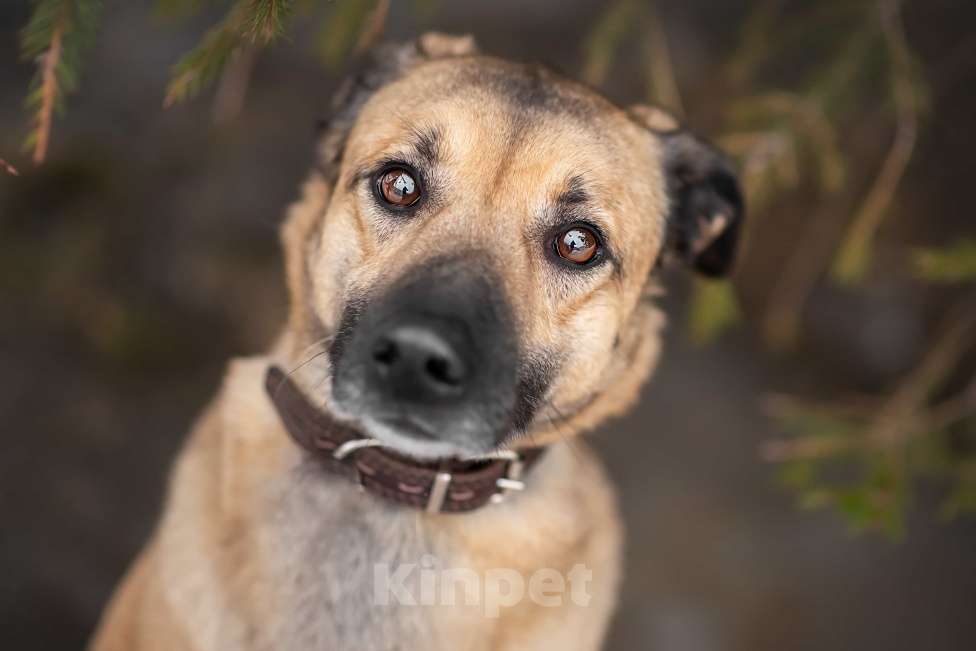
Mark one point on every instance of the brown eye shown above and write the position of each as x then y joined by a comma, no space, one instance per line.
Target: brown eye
398,188
577,244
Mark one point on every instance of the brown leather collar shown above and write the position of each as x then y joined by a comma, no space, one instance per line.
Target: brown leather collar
451,485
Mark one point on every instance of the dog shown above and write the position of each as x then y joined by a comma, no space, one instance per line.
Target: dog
470,269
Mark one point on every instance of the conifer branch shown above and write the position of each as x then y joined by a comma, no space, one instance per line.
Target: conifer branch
55,37
265,19
204,63
257,21
49,92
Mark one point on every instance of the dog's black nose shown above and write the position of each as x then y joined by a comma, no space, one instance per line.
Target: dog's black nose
434,358
418,363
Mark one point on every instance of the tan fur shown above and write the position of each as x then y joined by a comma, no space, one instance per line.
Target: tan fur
258,550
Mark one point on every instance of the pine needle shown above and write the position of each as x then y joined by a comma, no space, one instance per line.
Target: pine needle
258,21
56,36
204,63
265,19
49,92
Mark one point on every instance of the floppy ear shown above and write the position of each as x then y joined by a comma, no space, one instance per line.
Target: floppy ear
705,204
386,63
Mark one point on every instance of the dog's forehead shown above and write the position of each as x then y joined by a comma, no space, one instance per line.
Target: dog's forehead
482,109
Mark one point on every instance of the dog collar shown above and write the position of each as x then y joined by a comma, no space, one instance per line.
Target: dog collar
449,485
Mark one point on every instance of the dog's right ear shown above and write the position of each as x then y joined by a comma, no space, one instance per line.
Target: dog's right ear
385,64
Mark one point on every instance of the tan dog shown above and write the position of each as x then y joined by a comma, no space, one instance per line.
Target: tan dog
468,269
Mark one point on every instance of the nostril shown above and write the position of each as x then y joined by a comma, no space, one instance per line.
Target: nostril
444,371
385,353
416,362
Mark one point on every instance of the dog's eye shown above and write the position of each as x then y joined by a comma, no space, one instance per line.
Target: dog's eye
577,244
398,188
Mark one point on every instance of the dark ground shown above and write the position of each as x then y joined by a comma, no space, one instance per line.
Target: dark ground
145,254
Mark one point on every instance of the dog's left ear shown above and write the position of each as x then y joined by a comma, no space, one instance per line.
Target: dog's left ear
705,204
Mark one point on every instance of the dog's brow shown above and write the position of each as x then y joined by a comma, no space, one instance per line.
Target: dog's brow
427,144
575,192
424,150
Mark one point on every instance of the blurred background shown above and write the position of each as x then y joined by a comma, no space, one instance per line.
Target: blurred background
800,473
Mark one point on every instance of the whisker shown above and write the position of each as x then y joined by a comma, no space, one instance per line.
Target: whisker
322,343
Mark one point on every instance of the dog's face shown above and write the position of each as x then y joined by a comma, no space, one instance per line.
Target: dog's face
477,268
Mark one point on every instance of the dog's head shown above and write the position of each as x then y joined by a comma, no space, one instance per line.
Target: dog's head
474,247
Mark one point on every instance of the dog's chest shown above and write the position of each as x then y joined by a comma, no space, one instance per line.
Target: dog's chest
349,577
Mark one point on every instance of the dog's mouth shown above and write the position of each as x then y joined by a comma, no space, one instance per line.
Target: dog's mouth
407,437
408,427
319,431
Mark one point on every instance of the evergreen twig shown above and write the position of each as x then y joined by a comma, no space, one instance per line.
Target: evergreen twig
264,20
56,36
258,21
49,91
204,63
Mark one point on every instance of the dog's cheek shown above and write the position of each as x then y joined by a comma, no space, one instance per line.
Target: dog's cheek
634,359
336,262
585,348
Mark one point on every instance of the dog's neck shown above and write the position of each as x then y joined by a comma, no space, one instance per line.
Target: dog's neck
447,485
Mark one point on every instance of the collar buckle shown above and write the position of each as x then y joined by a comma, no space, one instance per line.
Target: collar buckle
512,481
438,492
354,445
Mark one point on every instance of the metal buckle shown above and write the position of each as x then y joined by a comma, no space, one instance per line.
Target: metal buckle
438,492
512,481
354,445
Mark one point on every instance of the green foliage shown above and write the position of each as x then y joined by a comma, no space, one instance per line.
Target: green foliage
953,264
56,37
76,19
827,463
263,21
714,309
256,22
203,64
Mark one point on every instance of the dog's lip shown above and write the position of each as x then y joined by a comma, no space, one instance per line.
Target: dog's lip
409,427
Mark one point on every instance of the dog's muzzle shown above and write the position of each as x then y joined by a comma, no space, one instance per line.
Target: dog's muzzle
432,359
